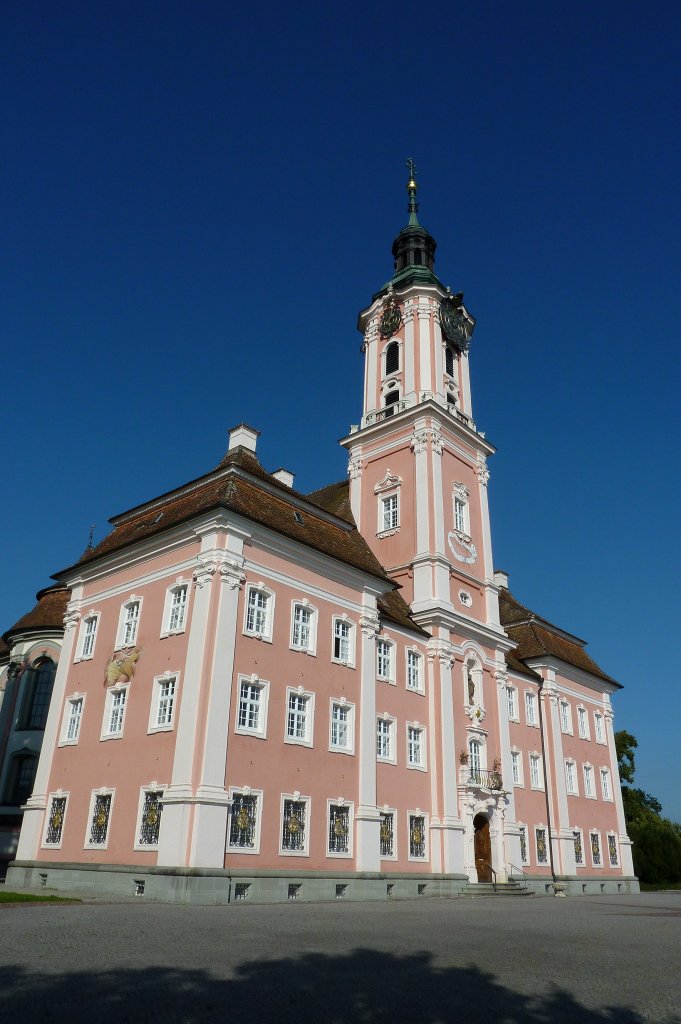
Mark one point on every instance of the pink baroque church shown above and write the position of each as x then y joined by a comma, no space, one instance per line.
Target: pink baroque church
266,695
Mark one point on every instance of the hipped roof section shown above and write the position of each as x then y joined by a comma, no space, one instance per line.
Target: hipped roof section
536,637
48,613
241,485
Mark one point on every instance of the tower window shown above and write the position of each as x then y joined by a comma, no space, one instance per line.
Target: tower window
417,257
391,399
449,361
392,358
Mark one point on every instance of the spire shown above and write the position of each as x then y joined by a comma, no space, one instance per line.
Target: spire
414,247
413,207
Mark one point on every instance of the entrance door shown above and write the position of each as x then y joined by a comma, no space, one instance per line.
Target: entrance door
483,848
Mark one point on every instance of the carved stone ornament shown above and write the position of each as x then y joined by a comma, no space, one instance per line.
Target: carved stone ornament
204,573
389,482
501,677
354,468
419,442
370,626
475,713
232,574
71,619
460,491
462,547
483,473
465,598
391,320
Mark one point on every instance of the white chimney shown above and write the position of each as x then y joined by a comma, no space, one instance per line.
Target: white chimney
244,436
284,476
501,579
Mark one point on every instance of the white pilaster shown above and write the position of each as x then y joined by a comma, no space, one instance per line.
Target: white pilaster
422,571
624,842
368,816
452,826
372,367
355,476
562,842
409,354
425,366
510,848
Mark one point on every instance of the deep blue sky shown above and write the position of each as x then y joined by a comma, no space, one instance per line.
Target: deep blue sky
198,199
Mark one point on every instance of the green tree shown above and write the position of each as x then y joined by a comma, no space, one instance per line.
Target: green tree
625,745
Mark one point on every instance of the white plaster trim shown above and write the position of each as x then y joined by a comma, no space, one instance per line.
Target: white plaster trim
308,695
245,791
106,734
155,702
391,810
102,791
351,828
264,687
422,766
63,741
59,794
152,787
350,748
308,824
311,649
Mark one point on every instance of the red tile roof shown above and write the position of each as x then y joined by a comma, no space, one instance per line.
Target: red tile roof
48,613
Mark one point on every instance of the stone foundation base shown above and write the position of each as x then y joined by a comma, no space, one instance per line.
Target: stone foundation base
583,885
215,887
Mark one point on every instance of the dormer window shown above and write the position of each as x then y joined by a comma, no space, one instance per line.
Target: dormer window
392,358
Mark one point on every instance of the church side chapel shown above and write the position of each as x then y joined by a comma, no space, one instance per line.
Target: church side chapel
267,695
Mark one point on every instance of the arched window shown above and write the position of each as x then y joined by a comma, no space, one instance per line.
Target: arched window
417,257
392,358
39,683
20,778
390,400
449,361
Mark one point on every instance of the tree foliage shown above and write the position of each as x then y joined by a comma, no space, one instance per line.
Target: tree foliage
657,840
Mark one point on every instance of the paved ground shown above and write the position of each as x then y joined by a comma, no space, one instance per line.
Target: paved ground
514,961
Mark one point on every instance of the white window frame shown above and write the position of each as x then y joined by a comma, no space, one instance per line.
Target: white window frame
393,811
83,636
522,827
571,777
152,787
311,646
599,727
612,835
595,832
350,662
512,702
565,712
106,733
297,798
583,722
589,781
418,813
64,740
517,762
606,790
121,642
531,701
102,791
266,633
259,795
388,513
59,794
342,702
392,758
413,655
158,683
582,863
422,764
384,642
179,585
308,739
351,828
263,687
534,757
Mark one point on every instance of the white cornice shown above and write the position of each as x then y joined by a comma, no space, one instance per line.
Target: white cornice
577,675
449,426
432,614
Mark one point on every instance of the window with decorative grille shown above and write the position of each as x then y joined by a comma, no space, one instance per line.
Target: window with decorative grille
339,828
387,834
612,851
99,825
151,818
55,821
293,832
523,845
579,852
243,821
595,848
392,358
542,849
417,836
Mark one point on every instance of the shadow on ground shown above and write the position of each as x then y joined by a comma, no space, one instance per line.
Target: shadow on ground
364,986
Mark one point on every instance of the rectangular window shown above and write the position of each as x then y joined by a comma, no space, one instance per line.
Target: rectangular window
589,782
150,819
302,628
258,618
600,731
384,662
595,849
342,641
299,717
565,717
177,611
243,822
612,850
88,635
390,519
583,723
530,709
414,671
387,834
384,739
55,821
99,821
571,777
417,837
294,826
606,788
115,712
512,703
535,771
131,616
74,715
460,515
341,726
165,702
542,848
339,829
579,850
524,858
416,755
516,767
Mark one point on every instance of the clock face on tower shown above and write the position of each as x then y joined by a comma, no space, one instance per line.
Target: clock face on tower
453,322
391,321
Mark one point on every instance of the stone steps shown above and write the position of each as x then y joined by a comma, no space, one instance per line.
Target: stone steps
475,890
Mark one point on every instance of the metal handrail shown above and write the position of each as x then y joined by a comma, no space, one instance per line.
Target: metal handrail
487,864
520,870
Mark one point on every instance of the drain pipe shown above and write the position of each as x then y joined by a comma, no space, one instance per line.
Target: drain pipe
546,780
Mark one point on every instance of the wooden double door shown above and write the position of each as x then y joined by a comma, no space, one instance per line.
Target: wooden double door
483,848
